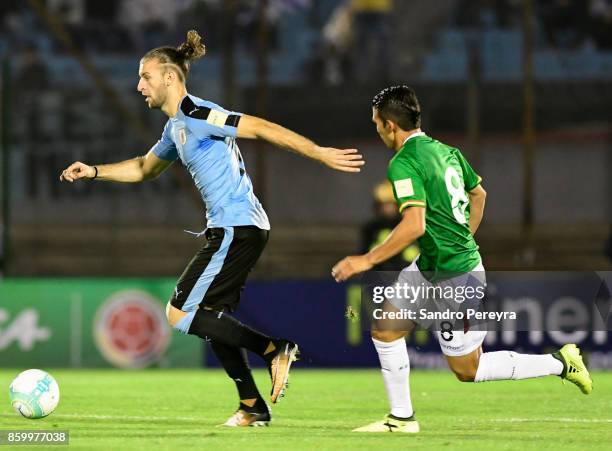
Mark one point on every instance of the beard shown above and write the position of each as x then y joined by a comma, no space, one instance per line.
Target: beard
157,102
154,104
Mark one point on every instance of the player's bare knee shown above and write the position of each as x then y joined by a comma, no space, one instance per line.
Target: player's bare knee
387,335
464,371
465,366
168,315
173,315
465,375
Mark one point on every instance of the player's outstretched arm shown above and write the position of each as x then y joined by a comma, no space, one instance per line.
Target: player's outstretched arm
477,204
136,170
411,227
346,160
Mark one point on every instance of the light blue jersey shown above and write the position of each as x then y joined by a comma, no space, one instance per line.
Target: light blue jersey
203,136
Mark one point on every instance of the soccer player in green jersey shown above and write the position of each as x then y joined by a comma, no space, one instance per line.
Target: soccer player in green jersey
441,200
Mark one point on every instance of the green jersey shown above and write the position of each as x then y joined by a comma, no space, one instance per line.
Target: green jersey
426,173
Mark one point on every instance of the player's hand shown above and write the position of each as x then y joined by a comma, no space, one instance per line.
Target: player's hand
345,160
77,171
349,266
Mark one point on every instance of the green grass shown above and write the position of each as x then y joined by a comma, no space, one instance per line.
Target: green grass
179,410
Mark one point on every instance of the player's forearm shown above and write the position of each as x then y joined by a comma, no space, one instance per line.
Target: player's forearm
477,204
287,139
128,171
402,236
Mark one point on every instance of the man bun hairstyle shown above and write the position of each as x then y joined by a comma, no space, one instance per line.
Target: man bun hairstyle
180,57
193,48
399,104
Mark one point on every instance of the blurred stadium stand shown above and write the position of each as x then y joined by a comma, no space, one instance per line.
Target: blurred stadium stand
104,229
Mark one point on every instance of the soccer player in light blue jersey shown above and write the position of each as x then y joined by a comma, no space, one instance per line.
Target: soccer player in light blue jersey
202,136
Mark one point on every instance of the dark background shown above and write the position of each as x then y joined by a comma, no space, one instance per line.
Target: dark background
524,88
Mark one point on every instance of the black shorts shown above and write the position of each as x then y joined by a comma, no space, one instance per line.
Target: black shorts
216,275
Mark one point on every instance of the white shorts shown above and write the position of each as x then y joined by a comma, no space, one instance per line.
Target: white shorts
461,343
454,341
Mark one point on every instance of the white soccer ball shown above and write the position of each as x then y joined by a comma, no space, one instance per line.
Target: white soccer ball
34,394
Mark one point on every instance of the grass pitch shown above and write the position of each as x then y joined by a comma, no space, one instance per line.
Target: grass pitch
180,410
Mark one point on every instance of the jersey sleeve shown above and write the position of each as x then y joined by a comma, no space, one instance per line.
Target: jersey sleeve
165,148
408,185
210,120
470,179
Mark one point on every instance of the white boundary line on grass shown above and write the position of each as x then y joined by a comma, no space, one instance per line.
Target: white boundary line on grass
114,417
550,420
180,418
